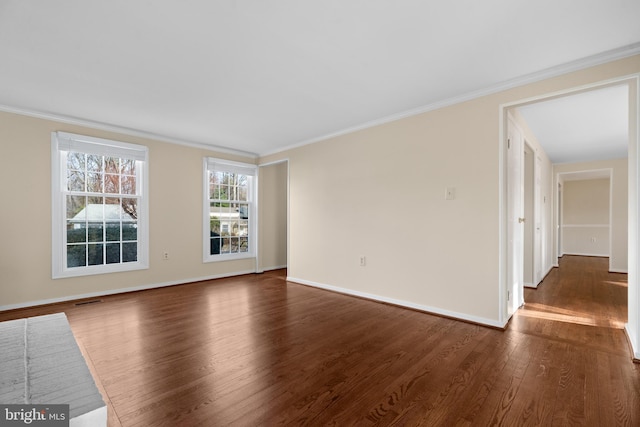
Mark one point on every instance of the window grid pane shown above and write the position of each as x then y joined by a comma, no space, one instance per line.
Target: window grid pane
101,224
229,206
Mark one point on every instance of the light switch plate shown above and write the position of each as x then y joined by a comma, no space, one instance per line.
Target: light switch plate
450,193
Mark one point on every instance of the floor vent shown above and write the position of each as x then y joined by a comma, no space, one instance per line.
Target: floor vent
93,301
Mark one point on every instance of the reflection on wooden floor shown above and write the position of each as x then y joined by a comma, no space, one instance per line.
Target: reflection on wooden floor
258,351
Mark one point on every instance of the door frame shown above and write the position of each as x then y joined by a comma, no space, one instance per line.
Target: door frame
515,229
531,215
259,260
580,175
632,328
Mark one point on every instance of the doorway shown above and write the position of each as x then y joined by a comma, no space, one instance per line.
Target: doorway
273,203
550,247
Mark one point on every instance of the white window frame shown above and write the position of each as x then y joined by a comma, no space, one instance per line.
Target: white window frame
214,164
63,142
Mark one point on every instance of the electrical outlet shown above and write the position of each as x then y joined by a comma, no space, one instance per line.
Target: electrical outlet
363,260
165,255
593,240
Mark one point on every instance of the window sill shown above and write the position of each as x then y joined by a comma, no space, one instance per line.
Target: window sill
99,269
228,257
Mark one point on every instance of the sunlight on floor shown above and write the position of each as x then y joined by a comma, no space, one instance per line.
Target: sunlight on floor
547,312
622,284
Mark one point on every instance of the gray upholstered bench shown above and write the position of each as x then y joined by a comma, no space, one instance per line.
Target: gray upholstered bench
40,363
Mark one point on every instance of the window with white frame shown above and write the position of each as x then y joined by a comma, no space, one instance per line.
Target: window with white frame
229,219
100,206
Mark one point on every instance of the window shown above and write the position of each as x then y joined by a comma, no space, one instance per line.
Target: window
99,203
229,219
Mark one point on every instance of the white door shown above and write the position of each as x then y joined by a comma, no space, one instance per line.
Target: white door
515,209
538,253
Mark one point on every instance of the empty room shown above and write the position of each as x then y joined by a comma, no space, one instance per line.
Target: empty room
331,213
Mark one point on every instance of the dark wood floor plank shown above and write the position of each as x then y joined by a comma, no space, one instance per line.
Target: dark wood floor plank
256,350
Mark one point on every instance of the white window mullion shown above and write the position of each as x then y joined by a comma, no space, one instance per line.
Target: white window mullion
98,220
227,178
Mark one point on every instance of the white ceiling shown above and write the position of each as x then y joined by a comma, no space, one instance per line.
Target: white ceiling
591,125
258,76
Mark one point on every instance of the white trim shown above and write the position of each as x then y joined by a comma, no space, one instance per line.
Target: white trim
254,222
123,130
503,288
583,175
572,90
402,303
590,61
558,70
62,142
123,290
249,169
635,346
606,255
288,214
634,240
611,178
275,162
619,270
230,257
252,171
586,225
274,267
544,276
633,329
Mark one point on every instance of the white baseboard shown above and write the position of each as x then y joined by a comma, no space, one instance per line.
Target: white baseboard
618,270
586,254
122,290
402,303
635,347
275,267
544,276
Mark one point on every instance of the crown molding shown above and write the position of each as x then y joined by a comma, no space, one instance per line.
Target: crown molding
577,65
124,130
590,61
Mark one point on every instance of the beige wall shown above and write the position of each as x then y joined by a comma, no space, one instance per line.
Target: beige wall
585,220
175,221
618,249
272,203
586,202
379,192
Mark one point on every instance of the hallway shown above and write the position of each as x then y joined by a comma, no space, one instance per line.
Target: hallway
580,303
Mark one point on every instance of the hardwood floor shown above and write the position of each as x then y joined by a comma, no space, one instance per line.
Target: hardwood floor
258,351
